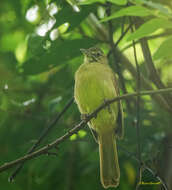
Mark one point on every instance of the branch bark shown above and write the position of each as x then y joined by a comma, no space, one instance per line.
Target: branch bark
76,128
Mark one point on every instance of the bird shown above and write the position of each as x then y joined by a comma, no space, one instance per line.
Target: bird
95,83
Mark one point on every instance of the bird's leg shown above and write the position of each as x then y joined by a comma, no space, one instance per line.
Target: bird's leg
93,134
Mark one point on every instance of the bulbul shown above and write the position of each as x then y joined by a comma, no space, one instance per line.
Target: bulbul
95,83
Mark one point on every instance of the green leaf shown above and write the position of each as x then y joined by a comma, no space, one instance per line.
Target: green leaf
129,11
157,6
165,50
82,133
160,7
149,27
118,2
67,14
73,137
60,52
88,2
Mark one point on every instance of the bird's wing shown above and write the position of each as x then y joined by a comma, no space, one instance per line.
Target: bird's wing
119,131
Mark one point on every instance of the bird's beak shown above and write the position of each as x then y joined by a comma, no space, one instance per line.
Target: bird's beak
84,51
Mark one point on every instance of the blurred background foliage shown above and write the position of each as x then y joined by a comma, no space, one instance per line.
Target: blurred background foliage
40,45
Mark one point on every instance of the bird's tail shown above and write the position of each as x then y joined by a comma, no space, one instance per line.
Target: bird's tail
109,167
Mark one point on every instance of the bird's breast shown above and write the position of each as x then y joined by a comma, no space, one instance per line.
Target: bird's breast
93,86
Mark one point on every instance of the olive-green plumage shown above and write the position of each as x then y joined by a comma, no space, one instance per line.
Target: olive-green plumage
95,83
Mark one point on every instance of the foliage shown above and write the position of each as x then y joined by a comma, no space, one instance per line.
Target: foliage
40,45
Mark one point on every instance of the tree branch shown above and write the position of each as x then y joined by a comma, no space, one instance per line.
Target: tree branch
76,128
42,136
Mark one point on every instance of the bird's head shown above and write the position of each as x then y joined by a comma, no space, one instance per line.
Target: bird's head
93,55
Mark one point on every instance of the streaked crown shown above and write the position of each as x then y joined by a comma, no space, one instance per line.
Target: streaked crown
93,54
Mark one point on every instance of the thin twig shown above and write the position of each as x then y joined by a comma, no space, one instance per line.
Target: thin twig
78,127
119,39
42,136
138,84
111,42
115,56
122,35
44,150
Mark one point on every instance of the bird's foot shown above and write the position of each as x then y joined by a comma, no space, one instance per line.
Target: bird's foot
84,116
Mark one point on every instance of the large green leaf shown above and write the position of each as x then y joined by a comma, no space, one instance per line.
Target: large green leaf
159,7
67,14
165,50
58,53
149,27
118,2
129,11
88,2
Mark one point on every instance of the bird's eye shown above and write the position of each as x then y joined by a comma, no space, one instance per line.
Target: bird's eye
97,54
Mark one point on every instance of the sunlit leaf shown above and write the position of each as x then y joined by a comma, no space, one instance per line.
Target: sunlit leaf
20,51
88,2
82,133
160,7
129,11
118,2
165,50
130,172
73,137
149,27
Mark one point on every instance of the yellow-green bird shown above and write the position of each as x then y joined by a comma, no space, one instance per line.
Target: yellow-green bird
95,82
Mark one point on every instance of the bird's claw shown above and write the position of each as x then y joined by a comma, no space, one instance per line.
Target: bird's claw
84,116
